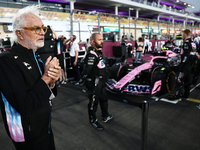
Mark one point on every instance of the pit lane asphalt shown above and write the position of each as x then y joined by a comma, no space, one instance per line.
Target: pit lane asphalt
171,126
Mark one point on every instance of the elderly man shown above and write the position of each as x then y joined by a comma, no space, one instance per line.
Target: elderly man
27,86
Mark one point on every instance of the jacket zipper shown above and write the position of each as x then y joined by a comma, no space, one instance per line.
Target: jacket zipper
37,63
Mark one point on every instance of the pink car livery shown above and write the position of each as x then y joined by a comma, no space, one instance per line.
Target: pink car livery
147,79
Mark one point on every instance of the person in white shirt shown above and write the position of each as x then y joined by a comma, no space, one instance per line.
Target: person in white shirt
146,44
196,40
74,58
199,37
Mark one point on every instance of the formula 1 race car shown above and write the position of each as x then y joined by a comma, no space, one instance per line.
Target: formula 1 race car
155,76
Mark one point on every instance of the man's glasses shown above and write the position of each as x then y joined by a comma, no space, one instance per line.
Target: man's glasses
37,29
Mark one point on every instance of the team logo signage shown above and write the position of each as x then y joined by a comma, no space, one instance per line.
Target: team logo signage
139,88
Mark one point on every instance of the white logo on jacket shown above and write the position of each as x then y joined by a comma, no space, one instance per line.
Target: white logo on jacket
15,57
27,65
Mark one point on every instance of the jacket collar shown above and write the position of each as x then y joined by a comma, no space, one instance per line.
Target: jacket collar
96,50
18,48
187,40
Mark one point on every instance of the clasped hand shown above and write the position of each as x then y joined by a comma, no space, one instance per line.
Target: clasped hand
51,71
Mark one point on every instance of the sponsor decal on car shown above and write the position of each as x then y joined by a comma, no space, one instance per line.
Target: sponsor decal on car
139,88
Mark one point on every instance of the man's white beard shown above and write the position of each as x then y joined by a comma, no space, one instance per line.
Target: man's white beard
39,44
33,44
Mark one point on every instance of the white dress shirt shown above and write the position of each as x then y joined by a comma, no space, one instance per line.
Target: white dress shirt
73,49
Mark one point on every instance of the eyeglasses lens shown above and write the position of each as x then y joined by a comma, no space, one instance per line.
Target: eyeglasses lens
38,30
45,29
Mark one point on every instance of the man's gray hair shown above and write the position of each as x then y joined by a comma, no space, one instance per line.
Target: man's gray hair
19,21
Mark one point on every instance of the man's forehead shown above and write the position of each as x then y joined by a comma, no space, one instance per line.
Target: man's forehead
32,20
99,36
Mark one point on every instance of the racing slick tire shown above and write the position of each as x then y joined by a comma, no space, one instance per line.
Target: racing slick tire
117,71
167,77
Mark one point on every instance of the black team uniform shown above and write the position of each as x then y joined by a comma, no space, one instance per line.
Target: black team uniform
170,44
185,68
95,74
25,100
197,69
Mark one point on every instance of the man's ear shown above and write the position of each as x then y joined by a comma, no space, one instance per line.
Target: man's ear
19,34
93,41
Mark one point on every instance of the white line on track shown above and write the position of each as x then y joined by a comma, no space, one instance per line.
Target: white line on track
174,101
194,87
166,100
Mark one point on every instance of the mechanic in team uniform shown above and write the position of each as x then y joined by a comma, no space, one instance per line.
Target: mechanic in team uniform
197,70
185,71
95,76
170,43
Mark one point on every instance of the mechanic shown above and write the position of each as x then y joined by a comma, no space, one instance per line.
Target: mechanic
170,43
26,87
95,76
197,70
185,71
